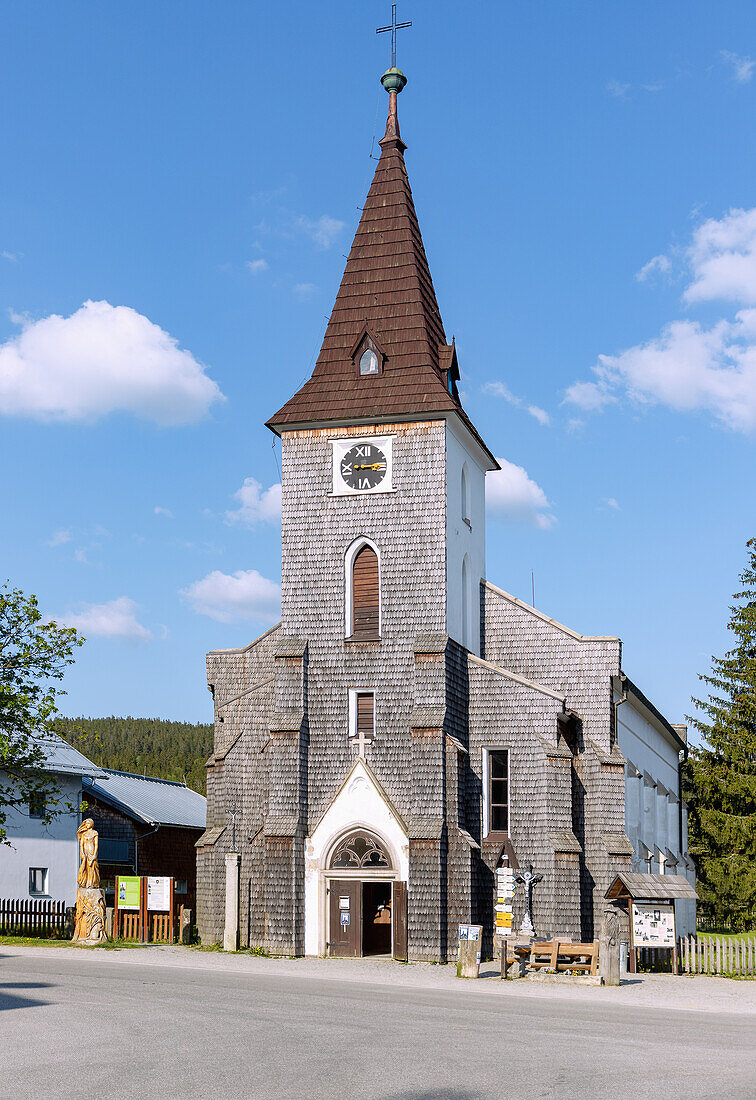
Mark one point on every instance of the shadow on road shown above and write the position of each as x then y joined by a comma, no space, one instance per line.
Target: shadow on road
11,1000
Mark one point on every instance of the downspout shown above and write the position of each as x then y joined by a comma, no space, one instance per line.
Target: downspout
618,704
136,846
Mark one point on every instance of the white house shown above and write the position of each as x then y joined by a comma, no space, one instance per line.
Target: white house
656,817
42,860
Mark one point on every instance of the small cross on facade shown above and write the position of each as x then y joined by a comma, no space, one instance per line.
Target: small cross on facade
394,27
361,739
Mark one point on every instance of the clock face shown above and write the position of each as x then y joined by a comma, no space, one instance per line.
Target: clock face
363,466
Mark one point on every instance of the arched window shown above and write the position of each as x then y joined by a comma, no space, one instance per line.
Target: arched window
465,494
368,362
363,597
360,849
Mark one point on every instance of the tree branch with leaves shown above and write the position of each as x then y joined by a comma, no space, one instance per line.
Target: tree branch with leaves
34,654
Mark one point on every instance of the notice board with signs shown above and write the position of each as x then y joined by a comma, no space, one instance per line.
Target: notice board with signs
129,891
158,894
653,924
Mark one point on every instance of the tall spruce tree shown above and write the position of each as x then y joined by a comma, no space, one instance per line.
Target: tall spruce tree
721,772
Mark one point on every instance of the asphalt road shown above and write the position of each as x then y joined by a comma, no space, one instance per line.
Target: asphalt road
92,1025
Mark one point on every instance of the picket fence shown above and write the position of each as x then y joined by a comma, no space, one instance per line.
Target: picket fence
32,917
717,955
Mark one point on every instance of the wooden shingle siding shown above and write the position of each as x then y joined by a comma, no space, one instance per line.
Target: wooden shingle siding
365,594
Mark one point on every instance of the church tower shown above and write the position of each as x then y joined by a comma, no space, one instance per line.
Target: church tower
407,726
377,445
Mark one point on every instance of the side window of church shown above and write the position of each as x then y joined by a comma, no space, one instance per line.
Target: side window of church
498,791
365,594
365,713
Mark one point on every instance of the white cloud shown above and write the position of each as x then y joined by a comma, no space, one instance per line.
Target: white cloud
511,493
691,367
499,389
688,368
256,505
257,266
654,266
722,259
100,360
114,619
324,231
59,537
610,502
241,595
305,290
158,510
742,67
14,257
80,556
618,90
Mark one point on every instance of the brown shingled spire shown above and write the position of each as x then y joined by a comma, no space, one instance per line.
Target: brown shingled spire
387,298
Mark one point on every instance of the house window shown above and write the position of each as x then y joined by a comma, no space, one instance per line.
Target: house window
37,805
180,886
363,610
496,809
37,880
361,716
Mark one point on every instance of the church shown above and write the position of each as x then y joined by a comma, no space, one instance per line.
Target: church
409,726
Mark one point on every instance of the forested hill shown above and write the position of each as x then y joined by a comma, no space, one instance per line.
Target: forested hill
148,746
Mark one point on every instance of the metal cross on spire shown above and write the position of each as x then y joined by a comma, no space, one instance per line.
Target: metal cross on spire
394,27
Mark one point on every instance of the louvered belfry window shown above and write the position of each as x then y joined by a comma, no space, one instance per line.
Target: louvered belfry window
365,594
365,713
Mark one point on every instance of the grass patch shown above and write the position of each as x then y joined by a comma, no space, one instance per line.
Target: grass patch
724,934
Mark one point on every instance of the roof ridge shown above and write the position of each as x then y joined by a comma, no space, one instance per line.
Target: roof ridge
148,778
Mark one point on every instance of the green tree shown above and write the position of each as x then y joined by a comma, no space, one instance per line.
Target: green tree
33,656
721,772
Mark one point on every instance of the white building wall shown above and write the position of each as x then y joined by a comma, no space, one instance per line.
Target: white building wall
651,817
34,844
462,539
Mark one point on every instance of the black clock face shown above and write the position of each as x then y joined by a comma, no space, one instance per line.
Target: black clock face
363,466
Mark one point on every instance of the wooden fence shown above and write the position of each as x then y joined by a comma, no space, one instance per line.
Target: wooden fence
32,917
717,955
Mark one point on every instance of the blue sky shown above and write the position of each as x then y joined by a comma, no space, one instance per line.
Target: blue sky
584,177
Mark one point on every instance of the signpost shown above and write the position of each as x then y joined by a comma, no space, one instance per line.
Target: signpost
144,908
503,909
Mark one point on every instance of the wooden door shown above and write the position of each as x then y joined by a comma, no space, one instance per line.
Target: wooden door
399,920
345,925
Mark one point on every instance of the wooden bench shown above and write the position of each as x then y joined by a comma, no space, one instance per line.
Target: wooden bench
559,955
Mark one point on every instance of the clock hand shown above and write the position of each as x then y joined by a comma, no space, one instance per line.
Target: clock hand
372,466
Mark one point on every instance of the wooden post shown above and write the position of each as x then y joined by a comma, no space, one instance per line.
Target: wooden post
170,926
632,958
115,911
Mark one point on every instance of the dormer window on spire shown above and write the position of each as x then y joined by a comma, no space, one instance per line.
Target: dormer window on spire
367,355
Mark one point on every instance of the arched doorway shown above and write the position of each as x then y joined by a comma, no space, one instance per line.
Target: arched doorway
365,902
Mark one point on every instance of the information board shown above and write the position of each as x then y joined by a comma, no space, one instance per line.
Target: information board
129,891
653,924
159,894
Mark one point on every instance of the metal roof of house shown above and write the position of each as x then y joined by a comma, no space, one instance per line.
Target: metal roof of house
151,801
657,887
64,759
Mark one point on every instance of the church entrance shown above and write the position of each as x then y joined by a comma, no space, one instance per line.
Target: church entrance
367,906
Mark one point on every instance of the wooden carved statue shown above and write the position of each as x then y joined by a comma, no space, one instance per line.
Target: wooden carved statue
89,871
90,899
